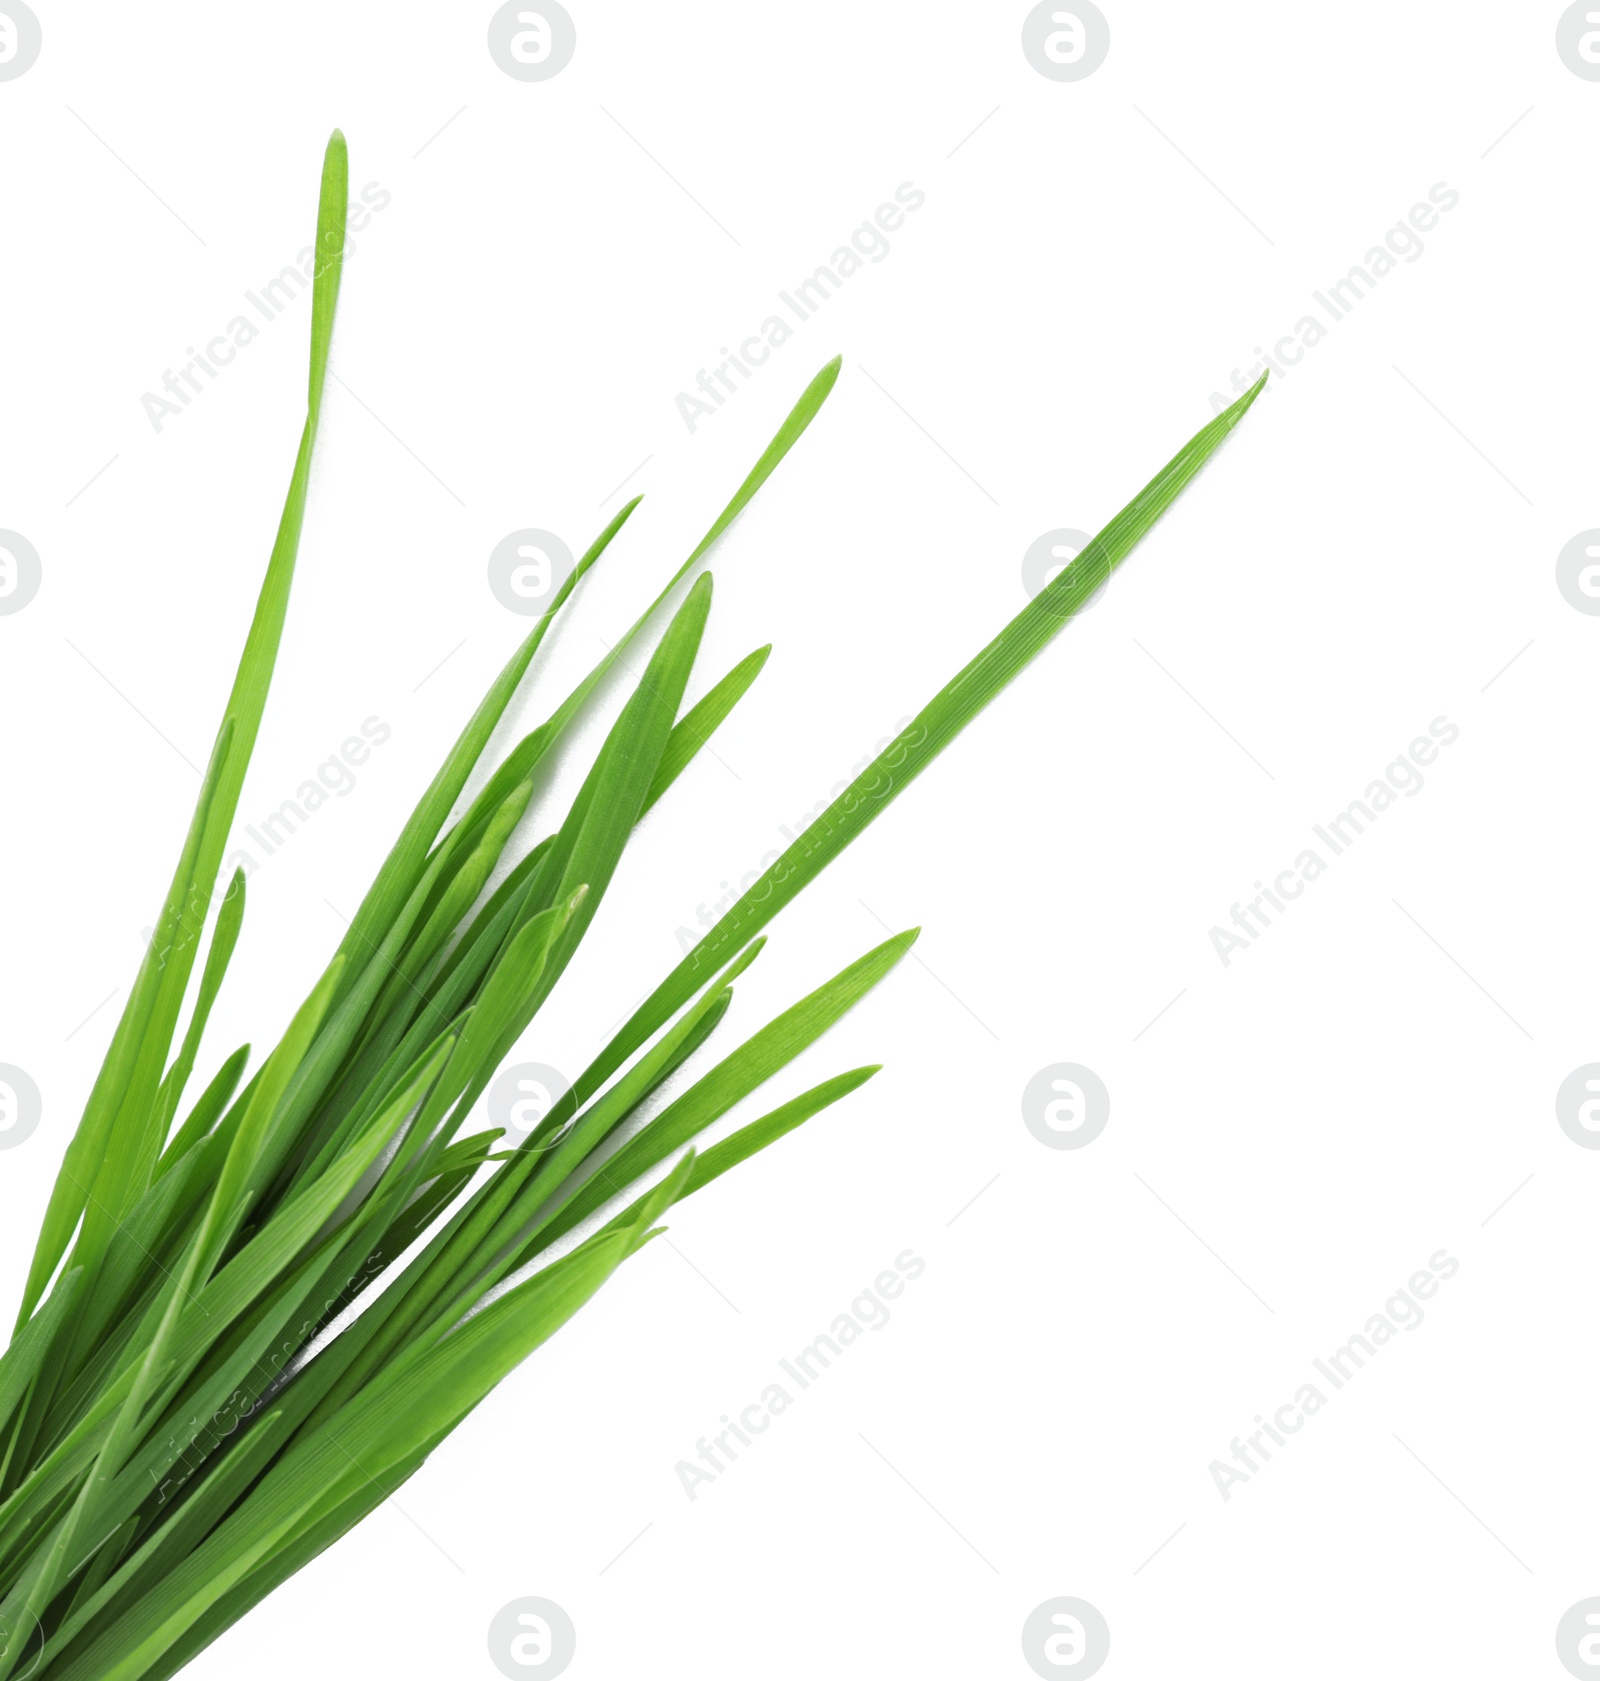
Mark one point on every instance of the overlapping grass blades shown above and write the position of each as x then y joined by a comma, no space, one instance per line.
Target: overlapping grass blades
221,1363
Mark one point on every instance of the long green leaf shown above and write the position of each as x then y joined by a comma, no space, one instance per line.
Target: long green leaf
930,732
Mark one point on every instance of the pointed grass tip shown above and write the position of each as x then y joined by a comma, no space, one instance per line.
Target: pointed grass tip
824,380
1238,411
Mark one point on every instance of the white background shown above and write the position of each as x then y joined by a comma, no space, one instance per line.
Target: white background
1363,1087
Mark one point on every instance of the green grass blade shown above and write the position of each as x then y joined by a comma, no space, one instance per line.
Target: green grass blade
91,1142
930,732
371,1438
409,856
716,1092
739,1146
207,1110
19,1365
223,939
242,1175
533,747
145,1042
697,726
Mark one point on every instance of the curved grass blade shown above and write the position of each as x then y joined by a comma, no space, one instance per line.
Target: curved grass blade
144,1034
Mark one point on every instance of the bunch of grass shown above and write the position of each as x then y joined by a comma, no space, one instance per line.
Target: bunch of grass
178,1430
